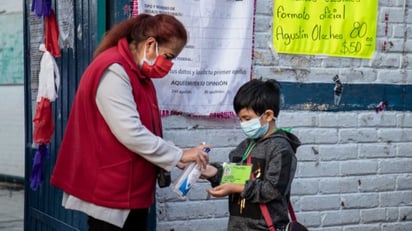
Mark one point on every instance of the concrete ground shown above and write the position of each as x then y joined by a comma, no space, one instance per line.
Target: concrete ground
11,207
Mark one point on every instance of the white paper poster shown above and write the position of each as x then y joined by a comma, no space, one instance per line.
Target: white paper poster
216,61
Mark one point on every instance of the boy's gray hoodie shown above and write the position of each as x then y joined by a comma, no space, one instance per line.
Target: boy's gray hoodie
275,157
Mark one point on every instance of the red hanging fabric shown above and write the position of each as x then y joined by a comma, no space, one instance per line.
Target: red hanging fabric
43,122
51,35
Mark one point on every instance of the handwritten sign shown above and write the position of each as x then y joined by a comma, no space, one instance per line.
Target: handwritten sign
343,28
215,62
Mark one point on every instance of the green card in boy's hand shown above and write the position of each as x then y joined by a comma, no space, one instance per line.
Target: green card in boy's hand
235,173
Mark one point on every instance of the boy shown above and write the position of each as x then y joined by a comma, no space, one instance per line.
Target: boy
271,152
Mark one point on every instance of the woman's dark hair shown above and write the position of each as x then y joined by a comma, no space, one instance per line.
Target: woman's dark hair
259,96
163,27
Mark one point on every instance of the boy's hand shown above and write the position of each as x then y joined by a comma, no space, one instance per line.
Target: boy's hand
209,172
226,189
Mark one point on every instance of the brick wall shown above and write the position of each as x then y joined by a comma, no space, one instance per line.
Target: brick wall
355,167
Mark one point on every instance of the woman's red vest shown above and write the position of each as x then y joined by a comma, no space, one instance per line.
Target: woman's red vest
92,164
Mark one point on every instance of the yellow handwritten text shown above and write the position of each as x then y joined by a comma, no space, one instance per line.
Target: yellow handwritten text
301,15
288,37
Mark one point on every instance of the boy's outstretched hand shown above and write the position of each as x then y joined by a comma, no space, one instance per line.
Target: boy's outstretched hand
209,172
226,189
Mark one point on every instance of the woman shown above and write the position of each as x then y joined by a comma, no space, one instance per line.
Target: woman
112,147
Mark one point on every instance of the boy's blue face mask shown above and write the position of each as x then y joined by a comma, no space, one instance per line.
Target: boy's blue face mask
253,129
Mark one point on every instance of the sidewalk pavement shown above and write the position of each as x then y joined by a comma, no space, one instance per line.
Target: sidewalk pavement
11,207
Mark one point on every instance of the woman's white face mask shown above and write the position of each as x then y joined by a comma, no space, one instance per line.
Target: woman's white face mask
146,60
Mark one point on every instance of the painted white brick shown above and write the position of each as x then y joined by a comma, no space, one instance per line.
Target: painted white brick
383,150
293,119
342,120
404,120
378,183
319,136
396,14
360,200
390,76
262,41
403,226
317,169
263,57
381,30
265,8
395,166
395,135
299,69
338,228
358,75
264,71
317,73
369,227
342,217
320,74
386,60
373,215
336,62
310,219
404,182
393,199
399,30
302,186
263,23
360,167
392,214
308,153
338,152
405,214
357,135
192,210
399,46
372,119
320,203
408,78
338,185
301,62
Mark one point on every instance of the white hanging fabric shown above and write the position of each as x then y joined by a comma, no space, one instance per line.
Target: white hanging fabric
49,76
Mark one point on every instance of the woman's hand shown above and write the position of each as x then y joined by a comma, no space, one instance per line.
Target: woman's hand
226,189
181,165
196,154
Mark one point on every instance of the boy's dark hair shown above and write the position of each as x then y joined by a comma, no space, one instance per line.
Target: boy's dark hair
258,95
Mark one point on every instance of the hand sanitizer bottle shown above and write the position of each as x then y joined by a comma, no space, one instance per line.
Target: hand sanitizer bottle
187,179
